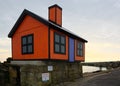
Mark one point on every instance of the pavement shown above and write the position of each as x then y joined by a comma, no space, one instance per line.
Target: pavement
109,78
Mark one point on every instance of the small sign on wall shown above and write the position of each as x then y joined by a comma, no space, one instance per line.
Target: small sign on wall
45,77
50,68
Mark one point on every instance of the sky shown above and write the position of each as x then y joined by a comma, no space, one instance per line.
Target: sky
94,20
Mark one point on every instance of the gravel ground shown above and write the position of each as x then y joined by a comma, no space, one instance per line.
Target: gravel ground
111,78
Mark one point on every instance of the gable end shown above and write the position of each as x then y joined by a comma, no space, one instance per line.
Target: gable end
21,18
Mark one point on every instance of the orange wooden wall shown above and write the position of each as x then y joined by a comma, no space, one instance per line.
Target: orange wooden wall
53,55
52,14
59,16
40,32
55,15
79,58
41,46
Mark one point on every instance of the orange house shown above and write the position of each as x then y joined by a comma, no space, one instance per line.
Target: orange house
35,38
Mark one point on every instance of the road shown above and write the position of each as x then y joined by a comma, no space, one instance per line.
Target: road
111,78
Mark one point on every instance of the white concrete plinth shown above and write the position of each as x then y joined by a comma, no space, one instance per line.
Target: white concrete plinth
28,62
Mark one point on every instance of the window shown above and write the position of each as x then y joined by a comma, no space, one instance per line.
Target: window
27,44
79,48
59,43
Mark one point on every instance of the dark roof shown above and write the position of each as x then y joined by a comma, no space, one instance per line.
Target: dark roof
55,6
46,22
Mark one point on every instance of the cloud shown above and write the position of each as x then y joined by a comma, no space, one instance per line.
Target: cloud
5,42
117,3
5,49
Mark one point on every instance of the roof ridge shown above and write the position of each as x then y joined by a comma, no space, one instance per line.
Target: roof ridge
43,20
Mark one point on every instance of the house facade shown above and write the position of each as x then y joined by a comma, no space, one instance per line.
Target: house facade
35,38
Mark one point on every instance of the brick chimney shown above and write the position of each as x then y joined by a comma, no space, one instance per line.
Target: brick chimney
55,14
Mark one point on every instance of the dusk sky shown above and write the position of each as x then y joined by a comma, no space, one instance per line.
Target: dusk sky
97,21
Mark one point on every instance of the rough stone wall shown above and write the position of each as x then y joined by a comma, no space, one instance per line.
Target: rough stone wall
9,75
31,75
14,79
4,75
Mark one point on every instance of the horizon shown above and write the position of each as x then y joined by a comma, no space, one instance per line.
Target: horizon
96,21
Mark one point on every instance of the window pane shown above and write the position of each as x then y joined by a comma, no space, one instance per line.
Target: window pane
62,49
57,48
62,40
24,41
30,49
24,49
30,39
57,38
80,45
80,52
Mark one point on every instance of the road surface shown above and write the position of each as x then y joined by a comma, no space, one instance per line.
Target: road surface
111,78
